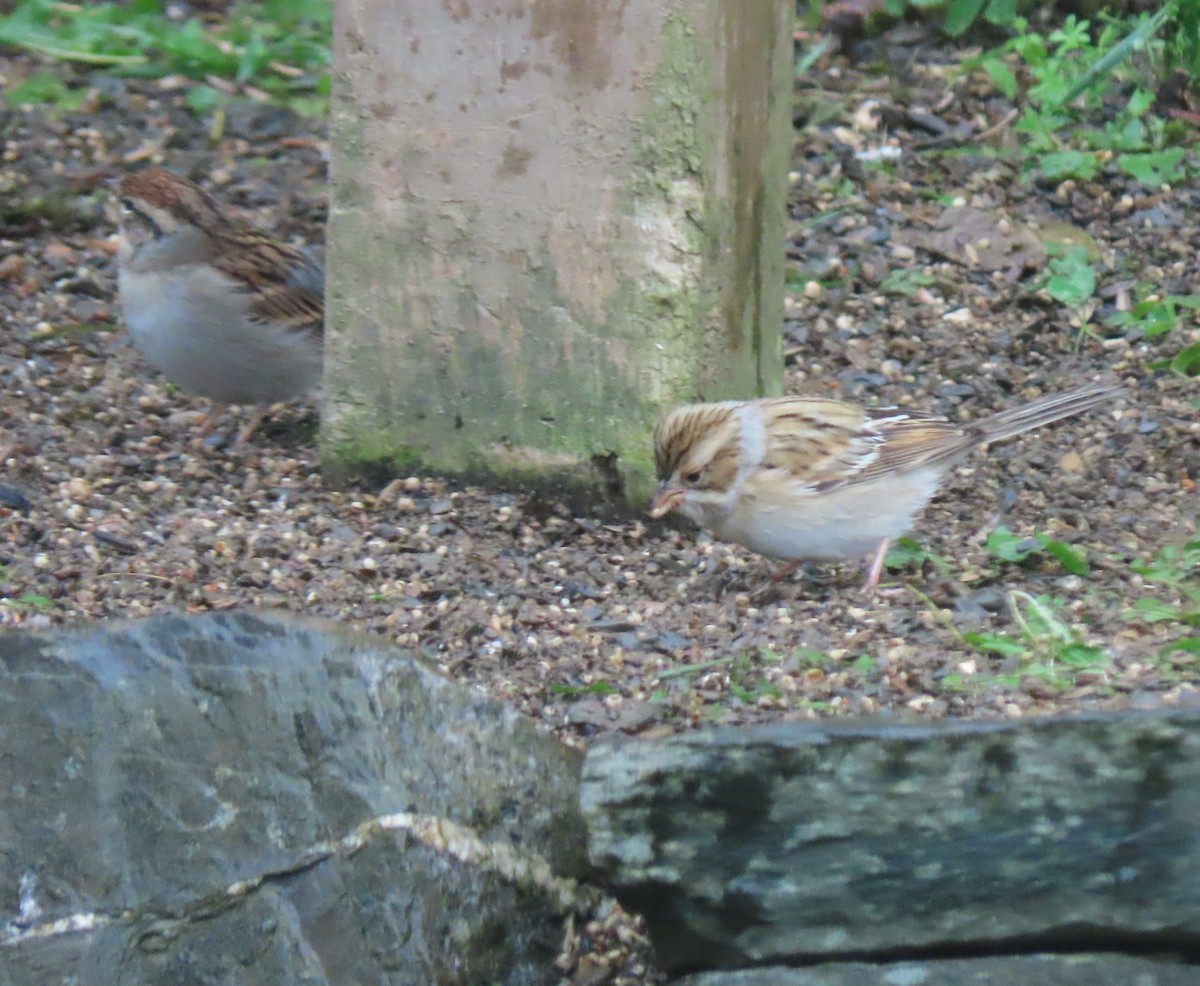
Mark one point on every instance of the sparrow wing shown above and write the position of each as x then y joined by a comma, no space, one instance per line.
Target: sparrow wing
912,440
828,444
287,283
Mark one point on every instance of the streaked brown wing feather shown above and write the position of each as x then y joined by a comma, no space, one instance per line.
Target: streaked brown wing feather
911,441
818,442
828,444
288,283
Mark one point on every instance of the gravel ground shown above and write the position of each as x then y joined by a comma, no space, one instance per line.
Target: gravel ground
111,506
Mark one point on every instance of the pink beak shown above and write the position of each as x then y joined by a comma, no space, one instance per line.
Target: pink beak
665,500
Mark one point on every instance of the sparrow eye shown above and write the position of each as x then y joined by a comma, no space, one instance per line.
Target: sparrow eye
692,477
127,206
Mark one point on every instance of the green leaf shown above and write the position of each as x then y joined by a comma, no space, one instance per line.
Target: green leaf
1153,318
1159,319
202,98
1002,13
1082,656
1155,610
1187,361
1139,103
1072,278
1131,136
1069,164
1030,46
1173,563
1154,167
42,88
1068,557
1005,546
809,657
905,281
864,664
994,643
1001,76
905,551
1072,36
960,15
952,682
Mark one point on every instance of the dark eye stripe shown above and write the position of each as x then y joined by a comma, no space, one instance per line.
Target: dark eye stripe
143,216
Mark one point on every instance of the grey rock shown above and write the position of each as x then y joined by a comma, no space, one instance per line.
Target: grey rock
252,799
1021,970
668,642
797,843
14,499
1157,218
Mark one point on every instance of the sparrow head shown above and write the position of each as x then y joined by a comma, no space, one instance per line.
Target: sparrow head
697,455
156,203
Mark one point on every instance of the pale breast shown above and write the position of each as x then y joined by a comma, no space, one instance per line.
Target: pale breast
844,523
191,323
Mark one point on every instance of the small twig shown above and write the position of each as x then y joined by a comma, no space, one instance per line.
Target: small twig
1003,122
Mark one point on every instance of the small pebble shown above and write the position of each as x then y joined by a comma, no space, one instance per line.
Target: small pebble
12,267
58,252
1071,462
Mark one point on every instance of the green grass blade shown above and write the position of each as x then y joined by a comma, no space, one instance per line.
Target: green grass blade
1138,36
83,57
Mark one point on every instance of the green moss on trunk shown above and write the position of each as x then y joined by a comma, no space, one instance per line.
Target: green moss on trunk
524,320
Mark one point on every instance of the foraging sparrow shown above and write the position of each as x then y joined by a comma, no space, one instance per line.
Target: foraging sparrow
219,307
807,478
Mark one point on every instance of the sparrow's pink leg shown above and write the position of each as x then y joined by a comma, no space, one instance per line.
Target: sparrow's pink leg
255,420
784,570
211,419
876,569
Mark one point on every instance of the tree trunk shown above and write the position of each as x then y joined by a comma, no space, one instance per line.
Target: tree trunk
550,221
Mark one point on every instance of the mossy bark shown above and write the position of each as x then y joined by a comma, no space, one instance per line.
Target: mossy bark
548,222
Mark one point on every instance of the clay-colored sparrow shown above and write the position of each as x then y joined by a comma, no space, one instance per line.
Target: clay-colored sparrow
222,309
798,478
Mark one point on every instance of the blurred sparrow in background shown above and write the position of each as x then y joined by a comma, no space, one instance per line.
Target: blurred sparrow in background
222,309
797,478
